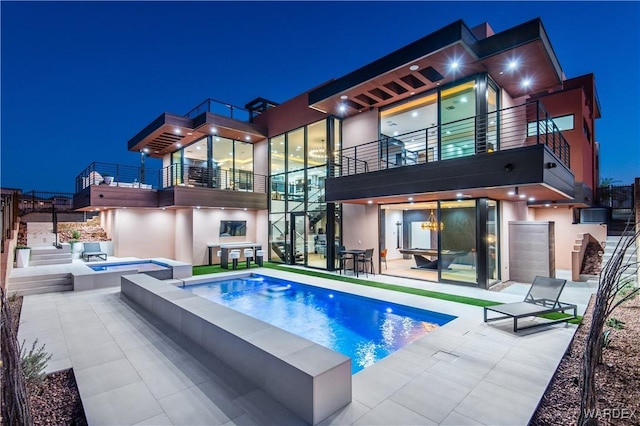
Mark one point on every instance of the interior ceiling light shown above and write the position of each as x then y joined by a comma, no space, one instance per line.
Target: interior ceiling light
432,224
532,199
414,67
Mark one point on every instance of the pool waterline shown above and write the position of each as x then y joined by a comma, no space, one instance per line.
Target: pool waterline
360,327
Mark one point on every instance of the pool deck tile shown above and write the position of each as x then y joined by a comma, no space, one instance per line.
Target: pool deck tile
133,369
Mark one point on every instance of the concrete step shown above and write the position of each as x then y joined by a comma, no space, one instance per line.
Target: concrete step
65,248
41,290
44,281
57,261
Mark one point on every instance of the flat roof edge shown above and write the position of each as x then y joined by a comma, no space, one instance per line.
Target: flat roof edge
164,118
448,35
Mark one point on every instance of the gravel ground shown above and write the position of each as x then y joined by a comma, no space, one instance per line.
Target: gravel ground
618,378
56,400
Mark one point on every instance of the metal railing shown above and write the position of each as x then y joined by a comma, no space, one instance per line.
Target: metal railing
117,175
221,108
509,128
44,201
217,178
616,196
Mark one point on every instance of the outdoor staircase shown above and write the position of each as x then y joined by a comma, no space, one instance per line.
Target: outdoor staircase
49,255
629,258
38,284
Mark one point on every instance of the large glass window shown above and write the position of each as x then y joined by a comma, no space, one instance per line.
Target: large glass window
409,132
298,162
295,150
457,115
492,241
458,241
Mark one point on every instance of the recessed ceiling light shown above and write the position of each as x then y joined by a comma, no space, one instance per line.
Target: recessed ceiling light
523,196
179,145
526,82
547,205
248,137
513,65
223,208
454,65
412,93
459,194
511,193
532,199
501,72
197,207
163,208
410,198
414,67
343,97
178,131
438,83
189,133
245,209
414,114
342,108
214,130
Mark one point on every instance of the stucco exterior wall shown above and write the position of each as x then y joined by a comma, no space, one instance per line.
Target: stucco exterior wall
361,128
360,228
184,235
143,233
566,232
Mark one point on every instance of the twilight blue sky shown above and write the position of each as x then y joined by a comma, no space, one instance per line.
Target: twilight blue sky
79,79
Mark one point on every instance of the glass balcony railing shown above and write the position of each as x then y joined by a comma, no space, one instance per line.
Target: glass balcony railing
220,108
509,128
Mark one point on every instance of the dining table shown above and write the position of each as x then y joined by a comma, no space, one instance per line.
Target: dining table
355,254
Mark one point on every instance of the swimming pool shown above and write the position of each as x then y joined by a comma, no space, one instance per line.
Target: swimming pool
364,329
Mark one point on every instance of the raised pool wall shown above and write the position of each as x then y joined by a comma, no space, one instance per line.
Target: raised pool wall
91,280
309,379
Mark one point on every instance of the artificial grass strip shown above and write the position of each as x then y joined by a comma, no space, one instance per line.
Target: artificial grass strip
200,270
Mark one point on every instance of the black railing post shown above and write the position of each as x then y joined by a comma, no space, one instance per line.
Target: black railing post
537,122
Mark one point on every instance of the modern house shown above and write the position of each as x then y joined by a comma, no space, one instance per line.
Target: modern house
442,153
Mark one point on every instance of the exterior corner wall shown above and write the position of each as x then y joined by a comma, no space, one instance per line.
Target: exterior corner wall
261,158
143,233
184,235
566,232
360,128
360,227
262,229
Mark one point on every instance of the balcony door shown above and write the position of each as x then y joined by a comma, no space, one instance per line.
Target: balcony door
299,237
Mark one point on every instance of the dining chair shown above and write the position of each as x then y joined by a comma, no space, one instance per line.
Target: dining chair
341,257
383,257
366,260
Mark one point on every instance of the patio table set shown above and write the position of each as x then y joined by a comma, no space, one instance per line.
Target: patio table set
360,261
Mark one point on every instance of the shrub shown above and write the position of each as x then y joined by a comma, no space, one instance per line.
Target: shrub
34,362
75,234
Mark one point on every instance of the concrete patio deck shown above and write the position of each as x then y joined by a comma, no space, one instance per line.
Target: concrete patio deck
131,369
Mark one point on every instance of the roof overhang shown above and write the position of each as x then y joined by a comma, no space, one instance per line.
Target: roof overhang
426,64
169,132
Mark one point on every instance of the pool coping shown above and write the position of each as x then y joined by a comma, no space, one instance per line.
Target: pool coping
310,380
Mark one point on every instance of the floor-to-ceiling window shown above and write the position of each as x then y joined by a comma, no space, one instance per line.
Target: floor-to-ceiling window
214,162
298,212
458,245
457,115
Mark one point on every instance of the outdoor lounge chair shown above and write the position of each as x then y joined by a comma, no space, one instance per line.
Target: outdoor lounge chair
93,250
542,298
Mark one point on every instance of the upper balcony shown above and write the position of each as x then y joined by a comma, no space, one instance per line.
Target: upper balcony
169,132
484,156
104,185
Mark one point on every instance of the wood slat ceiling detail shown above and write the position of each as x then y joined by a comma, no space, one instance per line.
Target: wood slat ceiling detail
434,70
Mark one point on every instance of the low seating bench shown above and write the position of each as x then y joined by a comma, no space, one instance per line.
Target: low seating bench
93,250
